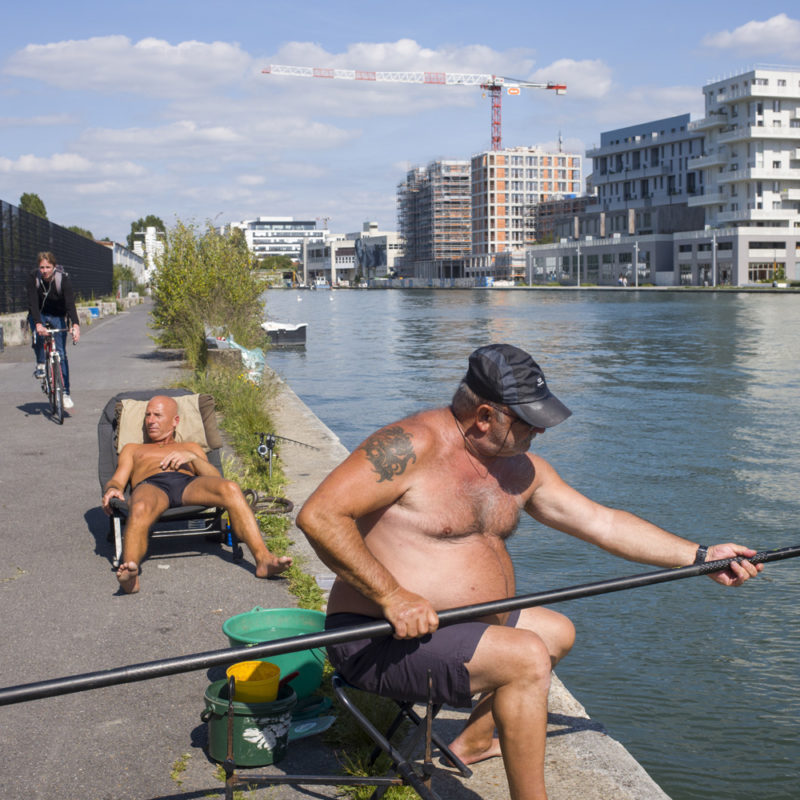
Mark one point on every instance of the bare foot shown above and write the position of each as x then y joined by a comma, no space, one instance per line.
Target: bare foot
273,566
128,577
469,756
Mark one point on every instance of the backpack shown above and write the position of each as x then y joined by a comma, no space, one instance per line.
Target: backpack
58,275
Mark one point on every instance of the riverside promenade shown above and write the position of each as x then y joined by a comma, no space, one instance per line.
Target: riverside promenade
63,614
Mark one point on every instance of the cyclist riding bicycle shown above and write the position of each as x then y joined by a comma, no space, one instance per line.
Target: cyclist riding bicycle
50,302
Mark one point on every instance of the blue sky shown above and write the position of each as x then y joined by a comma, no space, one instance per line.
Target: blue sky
112,111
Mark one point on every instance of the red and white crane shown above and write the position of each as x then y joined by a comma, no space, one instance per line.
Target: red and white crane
493,84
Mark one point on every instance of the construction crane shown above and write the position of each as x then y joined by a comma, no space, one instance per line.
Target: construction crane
493,84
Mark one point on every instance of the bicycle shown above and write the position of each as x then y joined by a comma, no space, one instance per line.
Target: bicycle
53,379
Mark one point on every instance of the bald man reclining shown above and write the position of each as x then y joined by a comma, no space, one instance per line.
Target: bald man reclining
166,474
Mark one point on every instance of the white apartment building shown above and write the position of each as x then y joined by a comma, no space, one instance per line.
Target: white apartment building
123,257
751,159
739,165
345,259
149,246
505,186
278,236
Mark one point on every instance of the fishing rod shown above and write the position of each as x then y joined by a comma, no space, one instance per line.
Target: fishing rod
367,630
267,446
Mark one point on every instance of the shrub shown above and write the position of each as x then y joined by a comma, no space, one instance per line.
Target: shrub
205,280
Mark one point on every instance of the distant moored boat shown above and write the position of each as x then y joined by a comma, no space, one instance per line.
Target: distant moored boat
284,334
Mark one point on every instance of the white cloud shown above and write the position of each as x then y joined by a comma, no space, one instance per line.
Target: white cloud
584,79
248,137
67,164
42,121
58,163
777,36
114,64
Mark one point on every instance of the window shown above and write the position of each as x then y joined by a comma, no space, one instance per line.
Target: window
781,82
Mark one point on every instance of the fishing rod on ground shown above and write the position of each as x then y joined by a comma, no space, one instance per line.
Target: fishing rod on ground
267,444
189,663
269,503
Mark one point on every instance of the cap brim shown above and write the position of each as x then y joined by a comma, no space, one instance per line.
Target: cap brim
543,413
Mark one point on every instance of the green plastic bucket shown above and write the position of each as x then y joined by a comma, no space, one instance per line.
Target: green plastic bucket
260,730
268,624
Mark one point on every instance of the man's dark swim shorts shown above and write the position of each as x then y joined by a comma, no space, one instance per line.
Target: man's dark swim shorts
398,668
172,484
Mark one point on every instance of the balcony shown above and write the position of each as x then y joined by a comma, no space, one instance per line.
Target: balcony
706,200
758,174
790,194
757,215
711,121
742,132
707,160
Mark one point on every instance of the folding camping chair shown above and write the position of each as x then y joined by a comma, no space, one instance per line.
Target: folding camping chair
406,770
122,422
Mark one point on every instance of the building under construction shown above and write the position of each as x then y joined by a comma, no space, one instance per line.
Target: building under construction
433,205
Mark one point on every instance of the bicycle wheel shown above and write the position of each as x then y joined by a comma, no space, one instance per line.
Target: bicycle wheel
57,393
46,381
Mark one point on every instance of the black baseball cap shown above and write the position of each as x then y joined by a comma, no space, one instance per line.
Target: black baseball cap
505,374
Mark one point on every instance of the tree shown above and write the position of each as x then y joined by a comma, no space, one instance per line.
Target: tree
204,279
122,274
150,221
81,231
33,204
282,263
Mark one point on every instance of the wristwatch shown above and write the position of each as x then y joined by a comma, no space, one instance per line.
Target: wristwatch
700,555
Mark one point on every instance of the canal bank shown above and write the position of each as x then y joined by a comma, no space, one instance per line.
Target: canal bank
582,760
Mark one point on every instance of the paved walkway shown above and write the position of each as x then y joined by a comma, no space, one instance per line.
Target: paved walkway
63,615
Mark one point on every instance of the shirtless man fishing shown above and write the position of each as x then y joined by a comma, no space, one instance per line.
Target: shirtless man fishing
415,521
165,474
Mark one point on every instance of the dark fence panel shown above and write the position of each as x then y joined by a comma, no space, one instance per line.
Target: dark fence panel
23,235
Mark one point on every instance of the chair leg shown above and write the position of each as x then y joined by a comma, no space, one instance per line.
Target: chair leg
403,767
117,523
401,762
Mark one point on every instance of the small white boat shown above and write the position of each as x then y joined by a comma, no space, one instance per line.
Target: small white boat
285,334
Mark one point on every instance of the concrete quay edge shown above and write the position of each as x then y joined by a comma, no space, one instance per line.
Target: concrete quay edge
582,760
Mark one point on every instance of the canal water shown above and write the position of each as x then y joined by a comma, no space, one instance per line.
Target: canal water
685,411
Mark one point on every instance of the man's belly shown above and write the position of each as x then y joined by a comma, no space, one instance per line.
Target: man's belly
446,573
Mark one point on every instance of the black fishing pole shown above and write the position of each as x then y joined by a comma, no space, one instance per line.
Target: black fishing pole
367,630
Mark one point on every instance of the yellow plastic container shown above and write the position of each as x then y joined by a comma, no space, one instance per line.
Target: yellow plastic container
256,681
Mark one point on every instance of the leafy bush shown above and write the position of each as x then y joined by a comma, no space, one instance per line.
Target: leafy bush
205,280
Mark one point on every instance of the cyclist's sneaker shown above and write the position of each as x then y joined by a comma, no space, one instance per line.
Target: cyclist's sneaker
68,401
39,371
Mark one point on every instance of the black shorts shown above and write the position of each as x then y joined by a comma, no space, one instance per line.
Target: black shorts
398,668
172,484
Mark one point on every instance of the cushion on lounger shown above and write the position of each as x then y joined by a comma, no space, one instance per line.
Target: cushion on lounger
197,421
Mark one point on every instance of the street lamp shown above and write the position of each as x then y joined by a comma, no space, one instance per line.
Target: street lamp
636,264
579,262
714,259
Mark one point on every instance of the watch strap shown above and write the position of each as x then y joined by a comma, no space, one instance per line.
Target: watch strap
700,555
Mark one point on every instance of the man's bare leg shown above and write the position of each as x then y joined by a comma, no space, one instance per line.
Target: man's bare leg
147,504
225,493
518,704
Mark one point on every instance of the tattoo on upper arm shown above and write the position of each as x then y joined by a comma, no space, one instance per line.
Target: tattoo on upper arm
389,451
